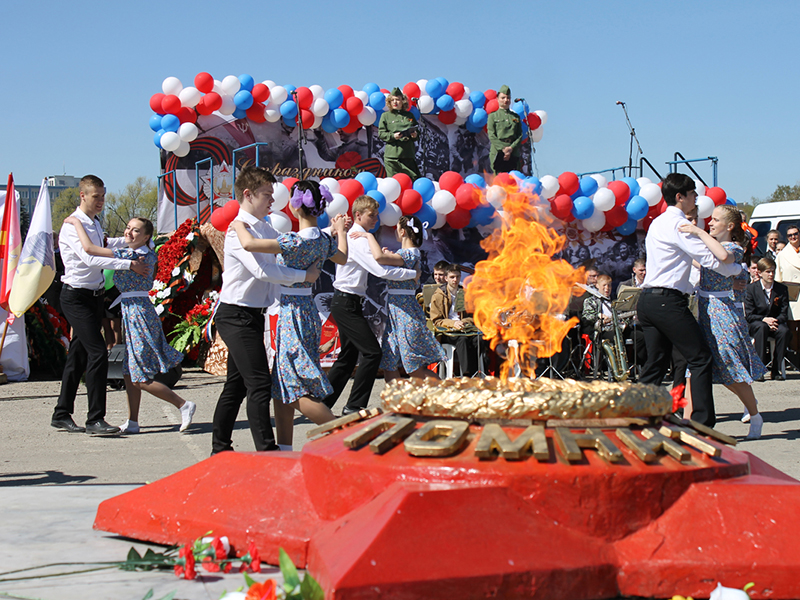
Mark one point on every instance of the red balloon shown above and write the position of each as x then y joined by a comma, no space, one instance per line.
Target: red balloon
617,216
171,104
288,213
213,101
458,218
561,206
467,196
657,209
155,103
347,92
304,97
621,192
385,91
410,202
404,181
230,210
354,106
260,92
448,117
456,91
491,105
219,220
203,108
289,182
350,189
717,194
569,182
450,180
187,115
256,113
506,180
308,118
204,82
534,121
411,90
353,126
647,220
490,94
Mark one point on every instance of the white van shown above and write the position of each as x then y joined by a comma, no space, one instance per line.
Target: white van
774,215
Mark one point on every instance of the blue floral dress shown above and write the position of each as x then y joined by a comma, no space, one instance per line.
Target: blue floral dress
147,351
724,327
406,338
297,371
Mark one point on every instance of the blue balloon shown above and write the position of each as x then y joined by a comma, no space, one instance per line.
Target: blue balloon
478,118
518,174
628,228
340,117
367,180
532,185
435,88
378,196
371,88
445,102
243,99
155,122
334,98
323,220
588,186
157,137
328,125
239,113
247,83
482,215
377,100
415,111
426,214
730,201
519,108
472,128
288,122
637,208
288,109
377,227
425,188
633,184
477,99
170,123
582,207
444,82
476,180
290,88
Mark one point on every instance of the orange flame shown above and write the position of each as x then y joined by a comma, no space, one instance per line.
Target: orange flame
519,293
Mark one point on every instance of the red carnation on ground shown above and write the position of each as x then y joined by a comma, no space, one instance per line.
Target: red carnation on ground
185,565
262,591
678,399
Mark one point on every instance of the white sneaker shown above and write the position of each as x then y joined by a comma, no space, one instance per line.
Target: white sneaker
187,412
129,427
745,416
755,427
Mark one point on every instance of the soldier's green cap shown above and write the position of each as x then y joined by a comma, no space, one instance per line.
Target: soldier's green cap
504,89
397,92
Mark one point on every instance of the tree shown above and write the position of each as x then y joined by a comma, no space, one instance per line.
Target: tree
138,199
781,194
63,206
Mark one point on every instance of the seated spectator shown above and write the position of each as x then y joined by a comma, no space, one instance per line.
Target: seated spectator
453,325
753,269
440,272
767,311
639,271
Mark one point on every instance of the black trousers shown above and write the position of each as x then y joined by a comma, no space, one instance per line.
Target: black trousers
87,353
761,332
501,165
466,350
666,322
242,330
356,337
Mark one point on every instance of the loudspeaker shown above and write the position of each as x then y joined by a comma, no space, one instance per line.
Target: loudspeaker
115,377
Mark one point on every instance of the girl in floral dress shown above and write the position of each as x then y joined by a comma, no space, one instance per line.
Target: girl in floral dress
146,350
736,363
301,382
407,341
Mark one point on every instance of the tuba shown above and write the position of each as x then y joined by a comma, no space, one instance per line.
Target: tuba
617,358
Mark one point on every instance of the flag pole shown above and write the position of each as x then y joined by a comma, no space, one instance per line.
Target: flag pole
3,378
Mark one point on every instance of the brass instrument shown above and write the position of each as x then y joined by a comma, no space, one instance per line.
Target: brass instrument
616,355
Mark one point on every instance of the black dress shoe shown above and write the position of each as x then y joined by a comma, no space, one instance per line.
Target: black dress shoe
778,377
349,411
101,428
760,379
67,425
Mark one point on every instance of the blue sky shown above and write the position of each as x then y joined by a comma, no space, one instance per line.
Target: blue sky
702,78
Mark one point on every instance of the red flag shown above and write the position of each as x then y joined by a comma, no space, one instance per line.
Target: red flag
10,243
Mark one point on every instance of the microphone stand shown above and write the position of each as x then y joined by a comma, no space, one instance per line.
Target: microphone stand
530,140
301,138
633,137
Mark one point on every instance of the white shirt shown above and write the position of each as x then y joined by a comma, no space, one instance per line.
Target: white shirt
351,277
767,291
670,254
251,278
82,270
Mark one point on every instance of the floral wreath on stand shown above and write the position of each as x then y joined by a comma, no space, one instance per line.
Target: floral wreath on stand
173,275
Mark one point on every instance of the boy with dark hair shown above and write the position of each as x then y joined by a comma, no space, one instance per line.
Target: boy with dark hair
766,307
446,316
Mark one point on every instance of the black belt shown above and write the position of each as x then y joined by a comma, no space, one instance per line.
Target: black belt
347,295
507,140
253,310
86,291
662,291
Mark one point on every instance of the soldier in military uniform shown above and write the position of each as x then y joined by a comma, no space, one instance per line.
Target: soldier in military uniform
398,129
505,134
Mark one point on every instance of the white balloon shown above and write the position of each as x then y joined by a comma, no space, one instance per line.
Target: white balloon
330,183
390,188
363,96
496,195
278,95
542,116
422,91
463,108
441,221
705,205
391,215
443,202
280,222
183,149
231,85
601,181
317,122
537,135
467,92
280,196
273,115
425,104
190,97
218,86
228,106
338,205
604,200
269,83
651,192
171,86
460,120
550,186
699,188
367,116
317,91
320,107
170,141
642,181
436,186
188,132
596,222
